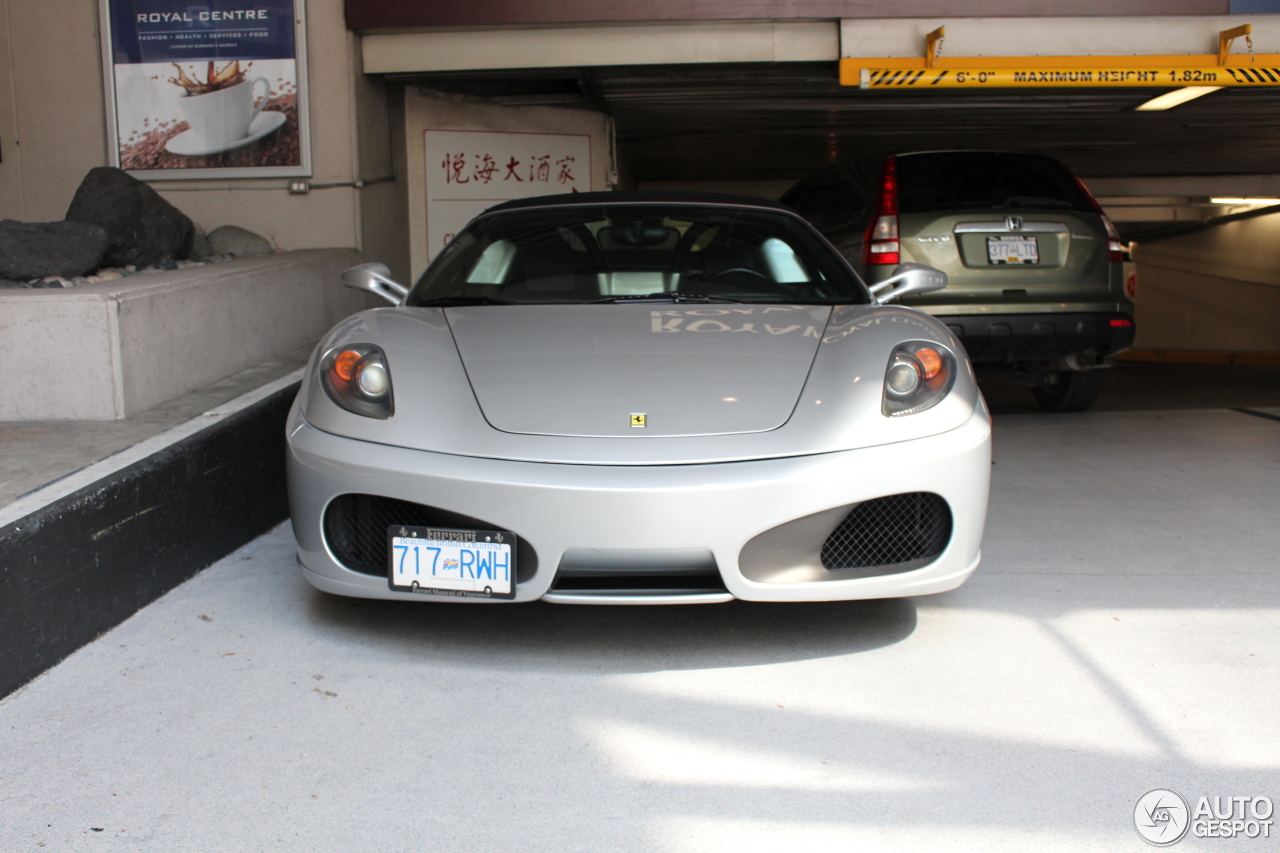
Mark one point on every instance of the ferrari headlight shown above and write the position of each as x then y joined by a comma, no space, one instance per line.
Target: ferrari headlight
919,375
372,380
356,378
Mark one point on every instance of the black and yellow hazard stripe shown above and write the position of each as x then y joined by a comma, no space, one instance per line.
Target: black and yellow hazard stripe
1256,75
882,78
1028,77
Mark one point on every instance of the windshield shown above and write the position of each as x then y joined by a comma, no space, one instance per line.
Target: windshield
634,252
986,180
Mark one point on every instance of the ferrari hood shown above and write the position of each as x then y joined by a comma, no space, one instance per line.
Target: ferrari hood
637,370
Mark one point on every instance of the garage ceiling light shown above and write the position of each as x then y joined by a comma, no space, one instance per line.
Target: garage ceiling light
1266,201
1176,97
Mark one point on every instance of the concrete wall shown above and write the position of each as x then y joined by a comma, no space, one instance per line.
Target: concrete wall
425,109
53,130
110,350
52,114
1034,30
1217,289
453,50
379,123
323,217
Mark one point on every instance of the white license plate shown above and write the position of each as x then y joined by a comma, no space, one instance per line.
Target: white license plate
1013,250
459,563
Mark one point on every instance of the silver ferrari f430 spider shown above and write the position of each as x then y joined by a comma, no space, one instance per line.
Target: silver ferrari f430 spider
634,398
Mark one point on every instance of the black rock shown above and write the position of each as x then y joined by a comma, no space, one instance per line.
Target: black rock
7,284
143,229
36,249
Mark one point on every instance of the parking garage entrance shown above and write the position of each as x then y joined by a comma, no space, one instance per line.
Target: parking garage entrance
1188,181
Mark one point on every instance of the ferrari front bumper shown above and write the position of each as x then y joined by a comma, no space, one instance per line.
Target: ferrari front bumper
557,508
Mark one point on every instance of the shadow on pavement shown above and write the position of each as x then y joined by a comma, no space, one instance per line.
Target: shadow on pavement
617,639
1141,386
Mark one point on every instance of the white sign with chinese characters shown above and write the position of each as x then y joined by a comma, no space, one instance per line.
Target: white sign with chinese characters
471,170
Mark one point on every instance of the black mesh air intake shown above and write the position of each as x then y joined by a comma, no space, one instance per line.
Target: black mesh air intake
355,528
913,527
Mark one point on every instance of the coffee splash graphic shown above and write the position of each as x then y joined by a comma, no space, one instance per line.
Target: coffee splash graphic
230,75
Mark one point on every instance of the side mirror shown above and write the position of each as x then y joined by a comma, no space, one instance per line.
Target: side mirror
375,278
908,279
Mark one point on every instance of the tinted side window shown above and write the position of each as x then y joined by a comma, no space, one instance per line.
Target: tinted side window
968,180
829,206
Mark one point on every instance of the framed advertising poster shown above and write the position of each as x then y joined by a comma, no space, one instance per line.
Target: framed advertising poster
212,89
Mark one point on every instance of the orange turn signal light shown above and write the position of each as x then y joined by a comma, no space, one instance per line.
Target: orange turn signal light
930,362
345,364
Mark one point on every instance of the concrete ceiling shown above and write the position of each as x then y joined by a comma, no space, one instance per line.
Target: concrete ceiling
782,120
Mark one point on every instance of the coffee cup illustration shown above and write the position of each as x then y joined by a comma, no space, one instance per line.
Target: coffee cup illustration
222,117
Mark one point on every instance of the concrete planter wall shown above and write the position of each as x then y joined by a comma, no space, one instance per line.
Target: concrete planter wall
110,350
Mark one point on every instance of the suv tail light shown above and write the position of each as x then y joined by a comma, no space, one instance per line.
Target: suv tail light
1113,240
1115,248
880,246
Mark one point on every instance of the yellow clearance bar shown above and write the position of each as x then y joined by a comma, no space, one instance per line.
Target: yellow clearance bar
1013,78
1019,73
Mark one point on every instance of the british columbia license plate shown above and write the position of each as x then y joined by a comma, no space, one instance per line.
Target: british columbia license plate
1012,250
449,562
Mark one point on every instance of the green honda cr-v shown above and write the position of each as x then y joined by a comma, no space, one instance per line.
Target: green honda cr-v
1035,287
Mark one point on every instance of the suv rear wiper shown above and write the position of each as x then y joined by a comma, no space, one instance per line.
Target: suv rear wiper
450,301
666,297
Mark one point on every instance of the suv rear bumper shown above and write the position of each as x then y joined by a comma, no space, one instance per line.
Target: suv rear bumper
1010,339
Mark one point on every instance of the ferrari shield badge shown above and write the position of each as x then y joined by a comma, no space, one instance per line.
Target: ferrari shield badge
637,420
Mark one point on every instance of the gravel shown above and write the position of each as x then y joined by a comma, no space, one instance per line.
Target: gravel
109,274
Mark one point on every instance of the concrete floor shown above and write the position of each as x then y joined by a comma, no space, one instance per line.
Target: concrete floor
40,452
1123,633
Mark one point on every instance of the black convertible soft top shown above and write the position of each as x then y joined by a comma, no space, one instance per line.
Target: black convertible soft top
642,197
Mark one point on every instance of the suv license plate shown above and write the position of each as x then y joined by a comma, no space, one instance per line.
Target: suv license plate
1013,250
450,562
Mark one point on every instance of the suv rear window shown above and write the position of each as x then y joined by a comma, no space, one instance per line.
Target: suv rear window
984,180
829,205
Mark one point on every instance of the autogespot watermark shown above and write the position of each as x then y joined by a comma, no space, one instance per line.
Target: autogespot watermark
1163,817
